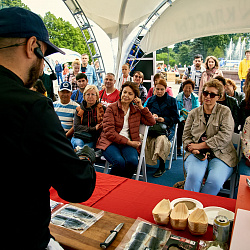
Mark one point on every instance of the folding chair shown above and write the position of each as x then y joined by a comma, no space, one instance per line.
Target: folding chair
173,150
236,140
143,130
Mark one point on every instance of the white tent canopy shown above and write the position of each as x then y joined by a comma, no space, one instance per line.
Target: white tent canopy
119,19
188,19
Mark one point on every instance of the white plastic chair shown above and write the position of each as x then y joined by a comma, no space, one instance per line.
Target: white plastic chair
236,140
143,130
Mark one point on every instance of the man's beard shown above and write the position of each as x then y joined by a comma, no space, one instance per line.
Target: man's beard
34,73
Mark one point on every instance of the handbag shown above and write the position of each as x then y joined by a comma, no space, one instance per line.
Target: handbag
85,136
160,128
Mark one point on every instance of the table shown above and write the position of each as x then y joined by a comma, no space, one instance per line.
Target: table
243,196
96,234
130,198
137,199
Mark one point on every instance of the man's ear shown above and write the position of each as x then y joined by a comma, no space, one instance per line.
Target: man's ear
30,47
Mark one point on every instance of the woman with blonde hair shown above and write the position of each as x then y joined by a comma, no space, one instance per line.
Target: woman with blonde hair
88,119
71,77
212,70
207,139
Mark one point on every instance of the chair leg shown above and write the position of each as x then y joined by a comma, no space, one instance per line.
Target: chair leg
232,185
171,156
144,170
106,169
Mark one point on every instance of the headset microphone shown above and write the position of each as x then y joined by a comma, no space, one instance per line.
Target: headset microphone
38,52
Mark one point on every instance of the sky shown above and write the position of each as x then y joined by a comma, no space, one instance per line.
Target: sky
56,7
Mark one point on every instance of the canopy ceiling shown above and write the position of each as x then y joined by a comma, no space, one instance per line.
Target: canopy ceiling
111,15
188,19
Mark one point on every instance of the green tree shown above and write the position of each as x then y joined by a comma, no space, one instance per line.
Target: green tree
13,3
64,35
184,55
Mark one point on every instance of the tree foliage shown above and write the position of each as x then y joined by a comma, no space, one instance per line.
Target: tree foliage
62,33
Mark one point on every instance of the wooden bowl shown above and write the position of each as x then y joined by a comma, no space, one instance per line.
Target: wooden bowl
198,222
179,217
161,212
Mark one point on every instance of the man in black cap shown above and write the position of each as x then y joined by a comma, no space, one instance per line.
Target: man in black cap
35,153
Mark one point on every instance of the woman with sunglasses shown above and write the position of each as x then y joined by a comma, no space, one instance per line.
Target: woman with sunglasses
207,139
138,79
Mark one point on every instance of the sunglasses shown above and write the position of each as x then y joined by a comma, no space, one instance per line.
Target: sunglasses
212,95
136,76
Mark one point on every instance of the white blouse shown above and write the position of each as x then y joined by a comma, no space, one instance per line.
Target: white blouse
125,129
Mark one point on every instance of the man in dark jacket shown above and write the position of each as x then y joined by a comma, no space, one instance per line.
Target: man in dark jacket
35,153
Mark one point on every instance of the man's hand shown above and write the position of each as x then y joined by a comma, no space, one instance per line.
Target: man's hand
88,152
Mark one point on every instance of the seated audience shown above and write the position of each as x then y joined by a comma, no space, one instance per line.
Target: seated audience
244,168
157,77
207,138
88,119
212,70
66,108
230,102
125,75
164,109
230,89
109,94
71,77
120,141
82,82
138,79
186,101
39,87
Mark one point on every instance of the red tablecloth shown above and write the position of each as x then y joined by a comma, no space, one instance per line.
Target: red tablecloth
104,185
137,199
243,196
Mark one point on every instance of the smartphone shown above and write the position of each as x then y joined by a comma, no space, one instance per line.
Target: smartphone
200,156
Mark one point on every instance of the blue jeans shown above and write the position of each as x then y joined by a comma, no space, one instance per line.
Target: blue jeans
217,173
59,75
243,168
78,142
241,84
124,159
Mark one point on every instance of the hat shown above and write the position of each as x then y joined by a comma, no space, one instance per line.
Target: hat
65,86
21,23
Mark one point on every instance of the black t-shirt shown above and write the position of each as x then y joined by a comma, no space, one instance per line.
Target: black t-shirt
35,155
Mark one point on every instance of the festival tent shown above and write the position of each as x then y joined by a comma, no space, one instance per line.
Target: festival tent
189,19
119,19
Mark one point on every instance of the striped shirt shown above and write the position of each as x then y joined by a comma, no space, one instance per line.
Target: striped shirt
66,113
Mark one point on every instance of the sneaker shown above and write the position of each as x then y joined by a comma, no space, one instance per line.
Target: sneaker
159,173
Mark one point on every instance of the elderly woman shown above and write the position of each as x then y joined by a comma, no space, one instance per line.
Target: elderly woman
88,119
212,70
164,109
207,139
138,79
186,101
119,140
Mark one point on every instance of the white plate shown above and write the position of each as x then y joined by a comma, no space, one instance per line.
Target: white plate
198,204
212,212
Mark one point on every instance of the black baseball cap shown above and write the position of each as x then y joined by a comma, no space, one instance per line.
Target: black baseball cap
21,23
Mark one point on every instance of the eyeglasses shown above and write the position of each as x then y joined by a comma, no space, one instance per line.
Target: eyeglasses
136,76
212,95
88,94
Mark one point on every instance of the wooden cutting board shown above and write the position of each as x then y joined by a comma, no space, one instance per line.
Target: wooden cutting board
96,234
